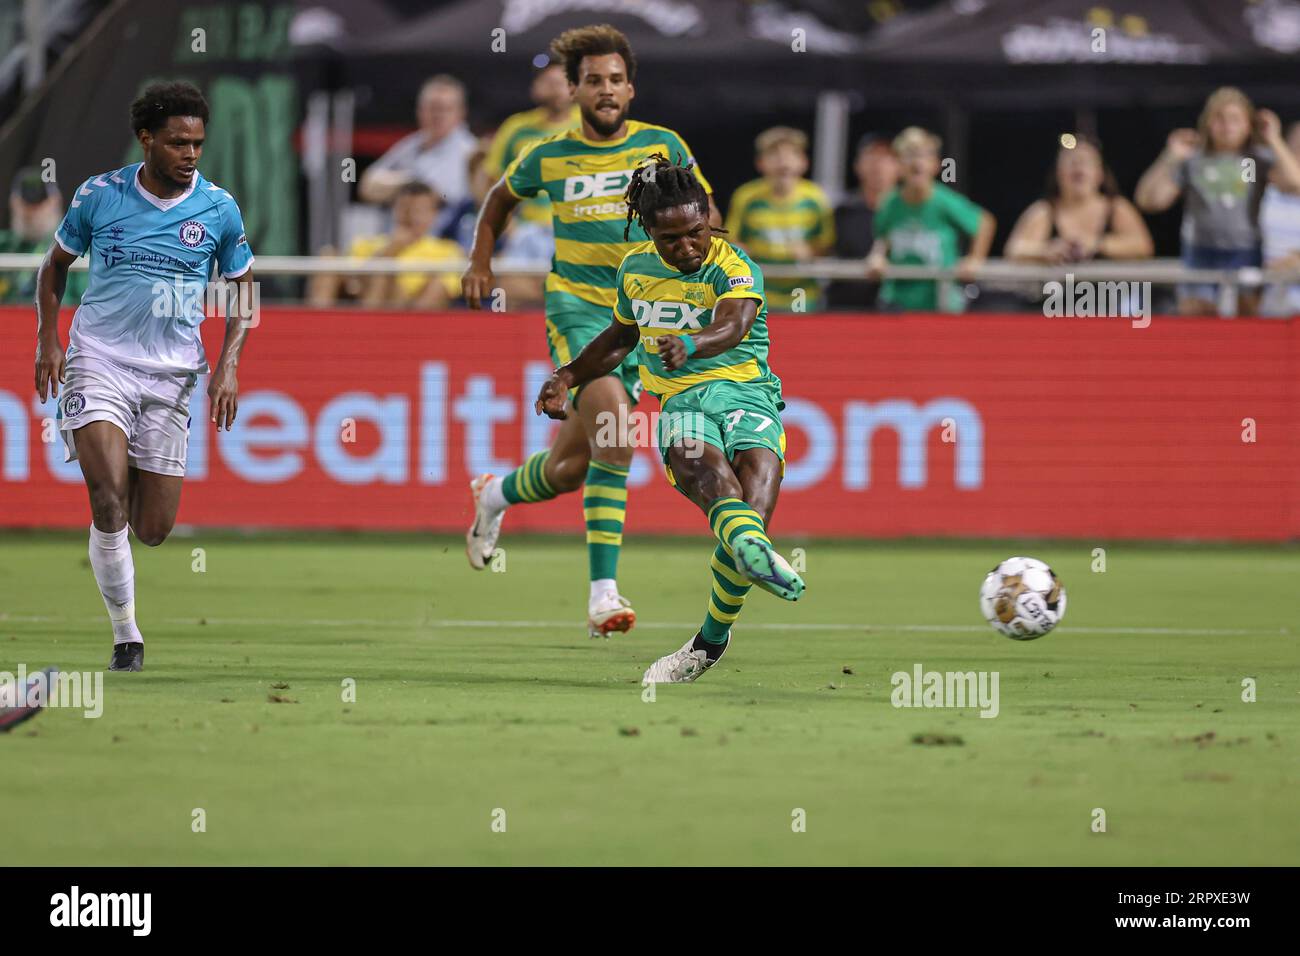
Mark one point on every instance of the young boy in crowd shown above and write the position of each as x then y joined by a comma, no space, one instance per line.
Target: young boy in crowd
783,217
922,222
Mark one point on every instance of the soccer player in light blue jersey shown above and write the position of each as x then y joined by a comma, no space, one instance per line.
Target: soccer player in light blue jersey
152,231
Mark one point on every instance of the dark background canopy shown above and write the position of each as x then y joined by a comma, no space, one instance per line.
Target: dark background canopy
998,79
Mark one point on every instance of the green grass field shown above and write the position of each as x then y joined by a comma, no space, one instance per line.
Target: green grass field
480,691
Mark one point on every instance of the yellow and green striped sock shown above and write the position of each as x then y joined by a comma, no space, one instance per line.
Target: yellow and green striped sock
728,597
730,517
604,505
528,481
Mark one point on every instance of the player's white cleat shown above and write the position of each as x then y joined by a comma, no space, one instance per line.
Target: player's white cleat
608,614
682,666
481,538
758,561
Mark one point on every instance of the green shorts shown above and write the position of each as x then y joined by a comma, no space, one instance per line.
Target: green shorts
570,324
730,416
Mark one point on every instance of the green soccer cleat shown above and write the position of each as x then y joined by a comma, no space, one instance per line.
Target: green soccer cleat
758,561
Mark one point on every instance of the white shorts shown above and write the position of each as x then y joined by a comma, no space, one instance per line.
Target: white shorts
151,408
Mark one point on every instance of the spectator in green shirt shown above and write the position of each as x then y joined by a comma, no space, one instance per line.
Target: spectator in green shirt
922,222
35,210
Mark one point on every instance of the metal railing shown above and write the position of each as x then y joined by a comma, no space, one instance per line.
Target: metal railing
999,272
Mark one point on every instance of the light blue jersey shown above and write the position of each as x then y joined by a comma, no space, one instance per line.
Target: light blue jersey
150,261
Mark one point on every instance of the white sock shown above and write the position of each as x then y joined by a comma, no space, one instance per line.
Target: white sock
110,559
602,587
492,497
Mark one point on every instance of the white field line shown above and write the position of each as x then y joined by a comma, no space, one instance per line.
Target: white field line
660,625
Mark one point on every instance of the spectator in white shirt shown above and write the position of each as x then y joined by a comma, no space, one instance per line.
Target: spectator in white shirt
437,153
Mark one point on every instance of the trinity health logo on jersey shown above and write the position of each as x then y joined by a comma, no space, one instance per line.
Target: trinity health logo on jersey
192,233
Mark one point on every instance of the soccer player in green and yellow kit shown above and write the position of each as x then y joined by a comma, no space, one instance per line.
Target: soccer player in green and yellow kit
692,306
585,172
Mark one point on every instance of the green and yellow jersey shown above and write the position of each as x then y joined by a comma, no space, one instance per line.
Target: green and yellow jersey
772,228
586,181
512,137
660,300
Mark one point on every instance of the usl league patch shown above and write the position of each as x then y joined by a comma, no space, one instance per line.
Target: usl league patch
192,233
734,281
74,404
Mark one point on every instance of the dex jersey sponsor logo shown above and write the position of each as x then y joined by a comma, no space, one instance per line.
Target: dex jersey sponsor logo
597,185
667,315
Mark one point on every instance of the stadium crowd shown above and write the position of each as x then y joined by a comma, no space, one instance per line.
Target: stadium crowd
1236,175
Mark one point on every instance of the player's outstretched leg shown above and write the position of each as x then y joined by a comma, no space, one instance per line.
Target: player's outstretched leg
604,408
492,495
134,485
709,643
542,477
604,507
101,451
716,483
110,560
740,529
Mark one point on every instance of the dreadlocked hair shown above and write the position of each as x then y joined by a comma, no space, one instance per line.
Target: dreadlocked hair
659,184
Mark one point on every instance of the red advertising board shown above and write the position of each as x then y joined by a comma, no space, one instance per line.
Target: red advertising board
974,425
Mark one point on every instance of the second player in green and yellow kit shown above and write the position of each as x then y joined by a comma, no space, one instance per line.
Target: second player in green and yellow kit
585,181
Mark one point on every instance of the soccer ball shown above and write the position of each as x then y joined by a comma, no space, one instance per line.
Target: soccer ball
1022,599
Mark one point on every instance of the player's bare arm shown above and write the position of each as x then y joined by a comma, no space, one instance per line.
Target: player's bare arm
732,320
51,280
476,283
223,387
600,357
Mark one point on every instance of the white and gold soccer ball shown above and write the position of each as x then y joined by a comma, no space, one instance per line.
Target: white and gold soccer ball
1022,598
